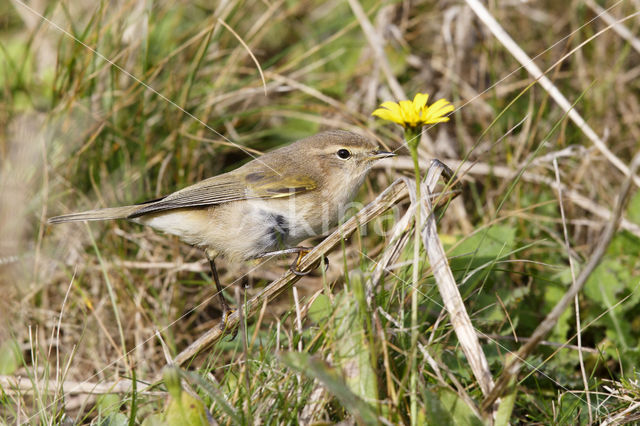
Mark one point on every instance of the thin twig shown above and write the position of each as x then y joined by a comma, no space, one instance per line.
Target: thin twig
542,342
621,417
395,245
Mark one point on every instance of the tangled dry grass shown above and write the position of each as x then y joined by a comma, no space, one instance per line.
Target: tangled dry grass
117,102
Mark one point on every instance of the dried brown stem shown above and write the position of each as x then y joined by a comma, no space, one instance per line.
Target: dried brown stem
449,292
22,385
515,364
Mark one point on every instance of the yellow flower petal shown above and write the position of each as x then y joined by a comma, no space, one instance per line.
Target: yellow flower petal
393,106
390,111
420,100
385,114
409,114
406,106
438,120
436,112
441,106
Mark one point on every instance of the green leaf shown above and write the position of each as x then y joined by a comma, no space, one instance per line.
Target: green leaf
352,351
436,412
108,404
461,414
480,250
9,357
183,408
216,394
506,407
605,282
320,309
552,295
154,420
633,208
488,244
115,419
609,283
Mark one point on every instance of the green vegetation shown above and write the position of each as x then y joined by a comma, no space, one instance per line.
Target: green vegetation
108,103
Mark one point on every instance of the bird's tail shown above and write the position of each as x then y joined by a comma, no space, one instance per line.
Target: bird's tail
100,214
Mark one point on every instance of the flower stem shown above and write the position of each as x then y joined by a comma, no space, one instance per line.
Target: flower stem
412,136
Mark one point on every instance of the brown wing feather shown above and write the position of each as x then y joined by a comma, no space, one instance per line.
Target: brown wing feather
230,187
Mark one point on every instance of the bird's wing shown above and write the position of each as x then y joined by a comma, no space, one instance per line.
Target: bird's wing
229,187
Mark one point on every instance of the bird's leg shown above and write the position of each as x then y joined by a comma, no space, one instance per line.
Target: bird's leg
295,266
226,310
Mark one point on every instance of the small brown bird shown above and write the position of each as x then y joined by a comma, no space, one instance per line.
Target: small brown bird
263,208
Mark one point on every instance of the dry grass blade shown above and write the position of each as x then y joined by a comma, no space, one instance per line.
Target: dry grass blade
448,289
10,384
620,29
626,416
524,59
484,169
394,193
376,44
513,366
248,49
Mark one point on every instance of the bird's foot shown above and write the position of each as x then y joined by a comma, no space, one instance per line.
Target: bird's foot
224,321
295,266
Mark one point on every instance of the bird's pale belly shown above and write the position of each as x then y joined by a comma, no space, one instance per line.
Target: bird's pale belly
257,227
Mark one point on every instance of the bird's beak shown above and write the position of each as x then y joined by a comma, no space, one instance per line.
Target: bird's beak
379,155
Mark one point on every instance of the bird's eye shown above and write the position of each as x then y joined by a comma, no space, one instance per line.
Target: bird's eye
344,154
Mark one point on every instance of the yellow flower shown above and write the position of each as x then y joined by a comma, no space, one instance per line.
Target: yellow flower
415,113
